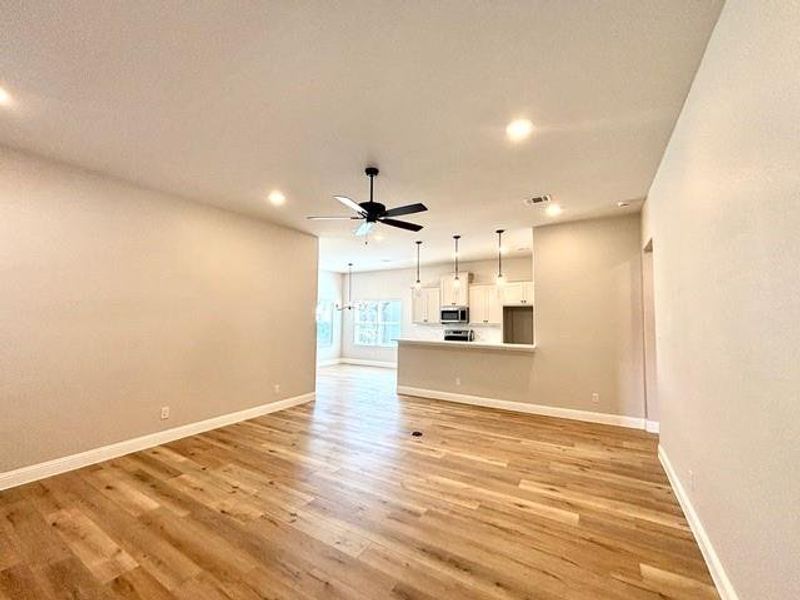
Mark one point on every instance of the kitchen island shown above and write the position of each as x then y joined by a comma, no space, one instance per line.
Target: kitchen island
484,373
516,377
401,342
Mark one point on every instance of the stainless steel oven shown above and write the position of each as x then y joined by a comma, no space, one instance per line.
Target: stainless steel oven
454,314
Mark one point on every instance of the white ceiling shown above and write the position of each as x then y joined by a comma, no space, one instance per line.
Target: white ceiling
224,101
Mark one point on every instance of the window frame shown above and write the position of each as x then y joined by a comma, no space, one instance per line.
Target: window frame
328,308
380,325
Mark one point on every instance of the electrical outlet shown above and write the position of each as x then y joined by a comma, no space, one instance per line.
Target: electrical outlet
164,412
277,388
596,398
458,380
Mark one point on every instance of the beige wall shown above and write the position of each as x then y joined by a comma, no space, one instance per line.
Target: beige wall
724,212
397,283
588,316
116,301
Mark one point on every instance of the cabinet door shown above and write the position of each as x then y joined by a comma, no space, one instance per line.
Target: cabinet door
446,289
432,305
517,293
478,307
494,307
418,305
455,295
462,291
512,294
527,292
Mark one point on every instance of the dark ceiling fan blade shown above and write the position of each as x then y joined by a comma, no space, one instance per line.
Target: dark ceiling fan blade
364,228
334,218
409,209
351,204
401,224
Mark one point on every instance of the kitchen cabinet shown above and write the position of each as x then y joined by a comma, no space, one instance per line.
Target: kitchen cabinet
484,305
517,293
453,294
425,305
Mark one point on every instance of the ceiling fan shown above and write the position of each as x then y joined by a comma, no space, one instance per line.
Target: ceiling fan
374,212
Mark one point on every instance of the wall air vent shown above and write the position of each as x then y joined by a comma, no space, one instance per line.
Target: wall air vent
537,200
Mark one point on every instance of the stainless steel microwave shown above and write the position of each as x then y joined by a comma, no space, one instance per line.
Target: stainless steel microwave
454,314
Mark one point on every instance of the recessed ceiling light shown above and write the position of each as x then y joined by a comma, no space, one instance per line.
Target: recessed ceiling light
277,198
553,210
519,129
5,98
623,204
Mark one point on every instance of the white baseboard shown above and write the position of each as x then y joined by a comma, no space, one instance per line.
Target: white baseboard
368,363
329,362
524,407
38,471
721,580
652,426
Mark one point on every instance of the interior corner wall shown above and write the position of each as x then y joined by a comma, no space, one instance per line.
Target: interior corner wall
588,329
330,290
116,301
588,315
724,214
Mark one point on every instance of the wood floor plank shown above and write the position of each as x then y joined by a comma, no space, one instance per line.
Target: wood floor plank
337,500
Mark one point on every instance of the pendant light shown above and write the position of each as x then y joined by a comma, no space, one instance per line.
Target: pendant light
349,305
418,283
501,279
456,281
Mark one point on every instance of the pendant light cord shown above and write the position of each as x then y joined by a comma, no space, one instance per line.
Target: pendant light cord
500,252
419,243
350,286
456,237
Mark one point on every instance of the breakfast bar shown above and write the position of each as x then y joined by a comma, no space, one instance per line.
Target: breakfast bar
486,373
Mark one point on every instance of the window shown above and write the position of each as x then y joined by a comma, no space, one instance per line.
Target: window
324,323
377,322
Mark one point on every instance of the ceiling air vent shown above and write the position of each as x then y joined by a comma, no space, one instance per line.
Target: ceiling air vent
537,200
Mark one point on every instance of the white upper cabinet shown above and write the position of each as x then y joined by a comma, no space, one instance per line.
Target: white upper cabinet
517,293
484,305
455,295
425,305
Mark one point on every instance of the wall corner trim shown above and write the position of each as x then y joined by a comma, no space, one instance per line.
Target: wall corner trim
652,426
718,574
56,466
524,407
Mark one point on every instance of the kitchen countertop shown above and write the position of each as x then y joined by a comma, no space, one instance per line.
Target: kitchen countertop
475,345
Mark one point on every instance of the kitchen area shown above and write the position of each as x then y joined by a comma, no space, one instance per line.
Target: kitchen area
485,327
547,330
